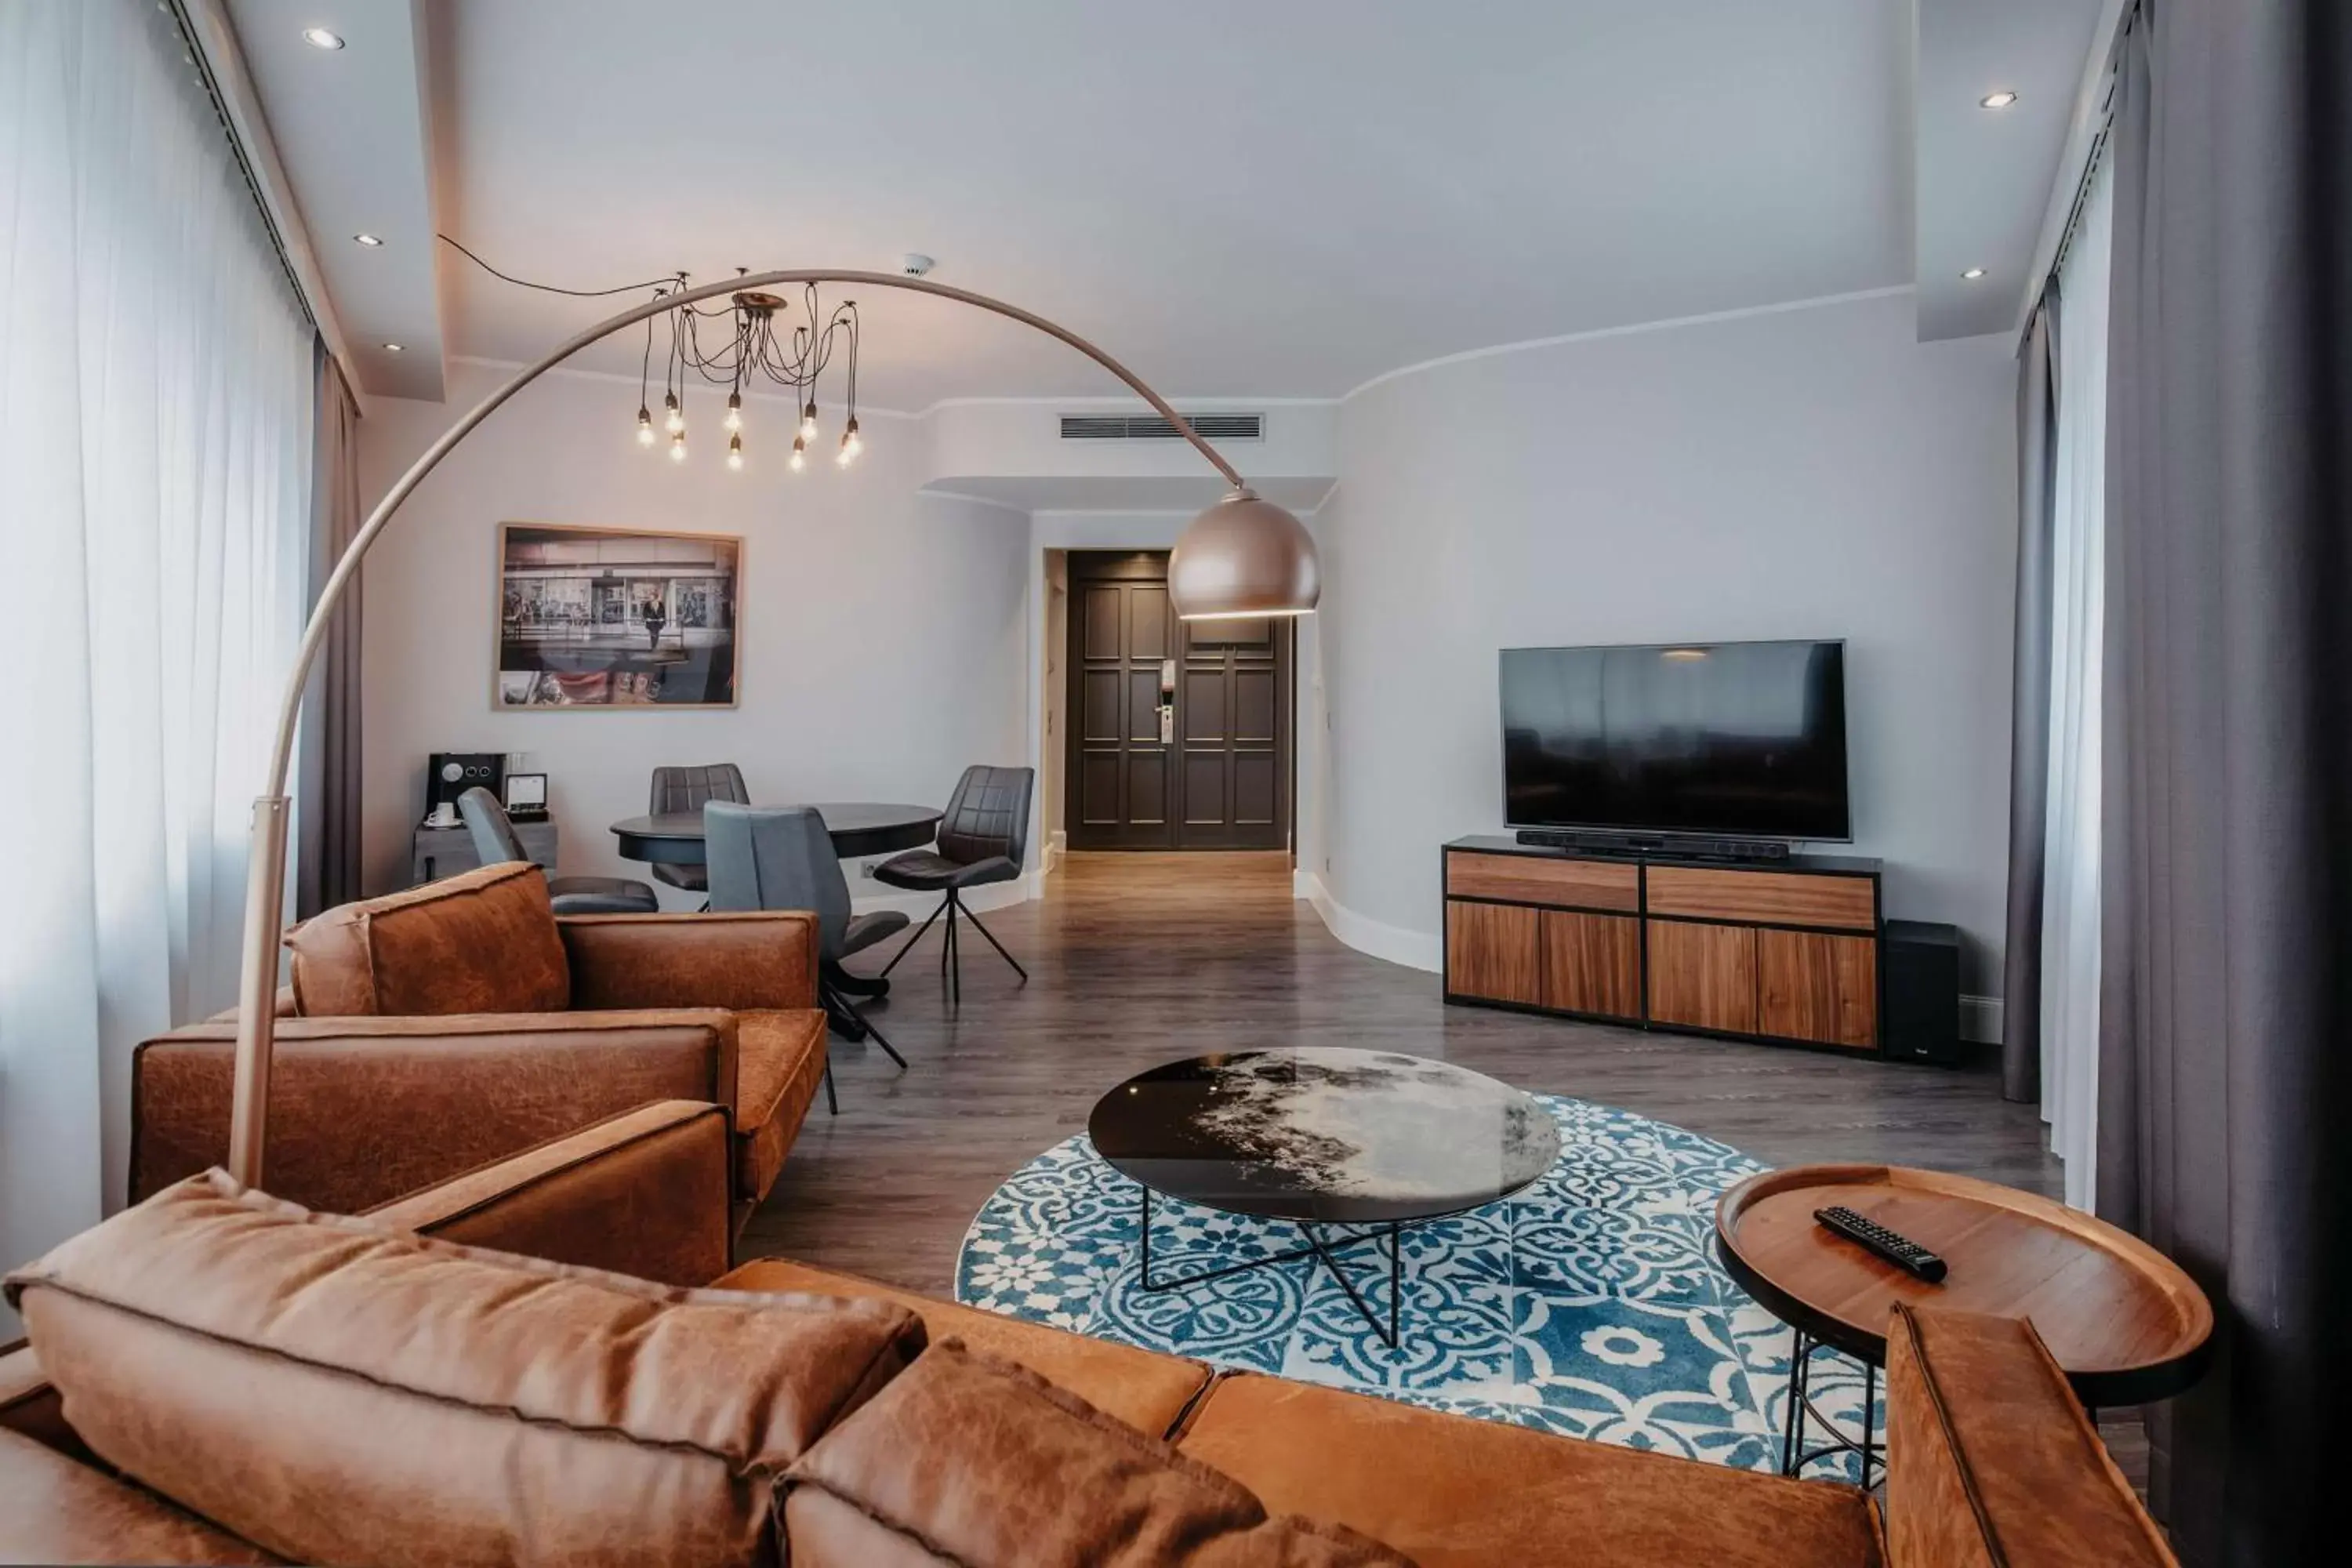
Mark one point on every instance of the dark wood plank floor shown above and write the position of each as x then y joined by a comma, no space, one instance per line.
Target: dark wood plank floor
1136,959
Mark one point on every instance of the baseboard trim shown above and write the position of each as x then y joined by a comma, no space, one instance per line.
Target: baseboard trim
1393,944
1980,1019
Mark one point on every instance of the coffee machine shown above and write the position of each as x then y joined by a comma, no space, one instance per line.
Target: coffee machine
448,775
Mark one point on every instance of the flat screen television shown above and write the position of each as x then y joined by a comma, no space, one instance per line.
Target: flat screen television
1736,738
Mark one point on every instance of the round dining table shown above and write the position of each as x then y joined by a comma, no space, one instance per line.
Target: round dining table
856,828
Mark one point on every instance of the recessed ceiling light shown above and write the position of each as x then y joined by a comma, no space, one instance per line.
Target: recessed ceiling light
369,240
320,39
395,348
1973,273
2000,99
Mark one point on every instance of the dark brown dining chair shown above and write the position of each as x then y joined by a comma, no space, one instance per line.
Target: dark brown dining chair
689,790
982,836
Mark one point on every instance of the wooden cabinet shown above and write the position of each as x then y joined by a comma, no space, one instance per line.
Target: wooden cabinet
1703,976
1591,963
1816,987
1492,952
1787,951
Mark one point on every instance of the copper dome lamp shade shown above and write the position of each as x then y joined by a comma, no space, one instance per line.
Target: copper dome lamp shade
1244,556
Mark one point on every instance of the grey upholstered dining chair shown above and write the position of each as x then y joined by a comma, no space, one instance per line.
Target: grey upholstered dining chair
692,789
494,843
781,857
982,836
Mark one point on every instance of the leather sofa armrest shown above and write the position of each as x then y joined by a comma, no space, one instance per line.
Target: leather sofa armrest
365,1109
30,1407
1991,1459
748,962
644,1193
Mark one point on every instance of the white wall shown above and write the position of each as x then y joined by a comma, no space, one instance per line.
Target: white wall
1806,473
883,631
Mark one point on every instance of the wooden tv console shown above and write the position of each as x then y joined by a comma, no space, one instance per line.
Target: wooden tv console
1785,950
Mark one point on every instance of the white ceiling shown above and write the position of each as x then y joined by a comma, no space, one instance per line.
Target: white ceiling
1237,197
353,129
1983,173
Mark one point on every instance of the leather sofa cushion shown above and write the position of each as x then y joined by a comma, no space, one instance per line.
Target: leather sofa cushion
1994,1461
1449,1489
340,1393
482,942
984,1464
1144,1389
53,1509
778,1067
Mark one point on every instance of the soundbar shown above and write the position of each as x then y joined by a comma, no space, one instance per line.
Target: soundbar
1654,844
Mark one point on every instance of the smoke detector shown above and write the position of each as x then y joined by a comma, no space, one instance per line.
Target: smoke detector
914,264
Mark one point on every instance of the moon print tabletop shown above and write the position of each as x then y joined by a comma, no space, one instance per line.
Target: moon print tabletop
1325,1136
1588,1303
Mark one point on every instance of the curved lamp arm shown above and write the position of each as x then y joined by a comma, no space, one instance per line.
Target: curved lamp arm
266,873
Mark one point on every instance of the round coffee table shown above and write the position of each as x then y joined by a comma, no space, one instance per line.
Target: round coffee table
2123,1321
1322,1137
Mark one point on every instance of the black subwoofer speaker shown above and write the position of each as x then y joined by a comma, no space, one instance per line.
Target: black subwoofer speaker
1923,992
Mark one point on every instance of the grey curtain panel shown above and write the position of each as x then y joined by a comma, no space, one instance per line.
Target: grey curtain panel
2029,737
327,786
2227,762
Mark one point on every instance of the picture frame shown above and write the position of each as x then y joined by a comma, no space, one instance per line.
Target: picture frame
615,618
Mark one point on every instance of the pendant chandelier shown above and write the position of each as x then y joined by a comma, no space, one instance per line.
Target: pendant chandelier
762,341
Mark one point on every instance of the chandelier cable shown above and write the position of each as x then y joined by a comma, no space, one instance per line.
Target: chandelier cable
752,347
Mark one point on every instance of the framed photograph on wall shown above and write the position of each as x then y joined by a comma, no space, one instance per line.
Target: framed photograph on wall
613,617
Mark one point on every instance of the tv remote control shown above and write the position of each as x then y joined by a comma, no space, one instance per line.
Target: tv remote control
1901,1251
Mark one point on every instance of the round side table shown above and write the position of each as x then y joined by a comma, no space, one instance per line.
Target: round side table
2123,1321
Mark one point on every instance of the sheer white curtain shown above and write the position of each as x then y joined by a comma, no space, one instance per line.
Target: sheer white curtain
2070,926
155,411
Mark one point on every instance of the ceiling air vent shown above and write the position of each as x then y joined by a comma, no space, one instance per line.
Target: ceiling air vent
1152,428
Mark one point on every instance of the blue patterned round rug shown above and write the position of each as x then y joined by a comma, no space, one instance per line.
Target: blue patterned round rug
1590,1304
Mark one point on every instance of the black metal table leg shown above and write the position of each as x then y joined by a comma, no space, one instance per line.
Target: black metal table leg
1396,1285
1802,1413
1792,1420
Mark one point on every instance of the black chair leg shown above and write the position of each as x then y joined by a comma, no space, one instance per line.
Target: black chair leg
832,1101
955,953
837,1000
908,945
973,920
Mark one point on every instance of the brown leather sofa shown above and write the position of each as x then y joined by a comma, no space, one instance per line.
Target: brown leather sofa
439,1028
215,1376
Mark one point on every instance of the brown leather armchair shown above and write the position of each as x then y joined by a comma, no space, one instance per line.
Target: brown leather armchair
439,1028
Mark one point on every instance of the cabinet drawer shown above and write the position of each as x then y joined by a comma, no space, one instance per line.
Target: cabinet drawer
1492,950
1540,879
1823,989
1703,975
1769,898
1592,963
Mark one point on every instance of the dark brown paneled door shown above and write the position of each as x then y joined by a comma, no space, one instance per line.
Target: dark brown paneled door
1180,734
1231,759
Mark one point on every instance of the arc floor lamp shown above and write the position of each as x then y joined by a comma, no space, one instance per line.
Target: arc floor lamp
1243,557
